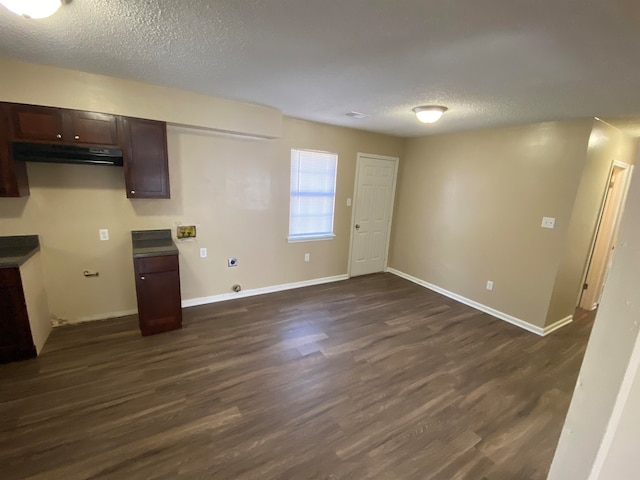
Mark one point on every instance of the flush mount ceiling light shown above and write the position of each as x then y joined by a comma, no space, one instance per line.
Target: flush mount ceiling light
429,113
32,8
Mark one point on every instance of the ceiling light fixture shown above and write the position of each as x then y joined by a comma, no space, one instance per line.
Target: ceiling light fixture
429,113
32,8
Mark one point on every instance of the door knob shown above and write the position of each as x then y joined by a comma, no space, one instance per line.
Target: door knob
357,226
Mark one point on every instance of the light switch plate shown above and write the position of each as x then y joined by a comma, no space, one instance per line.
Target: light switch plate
489,285
348,202
104,234
307,257
548,222
203,253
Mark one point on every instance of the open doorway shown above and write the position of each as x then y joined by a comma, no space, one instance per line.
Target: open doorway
606,233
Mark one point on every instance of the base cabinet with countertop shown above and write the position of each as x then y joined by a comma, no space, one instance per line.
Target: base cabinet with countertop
155,260
25,322
16,342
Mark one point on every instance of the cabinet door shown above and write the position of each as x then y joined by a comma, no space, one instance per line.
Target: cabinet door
146,165
16,342
31,123
93,128
13,175
159,302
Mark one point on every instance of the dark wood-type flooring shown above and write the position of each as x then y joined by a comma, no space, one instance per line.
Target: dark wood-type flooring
370,378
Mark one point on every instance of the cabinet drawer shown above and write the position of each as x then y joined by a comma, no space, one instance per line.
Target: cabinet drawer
10,277
165,263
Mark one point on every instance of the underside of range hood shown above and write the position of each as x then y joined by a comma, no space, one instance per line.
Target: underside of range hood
47,153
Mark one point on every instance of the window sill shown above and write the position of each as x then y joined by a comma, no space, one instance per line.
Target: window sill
311,238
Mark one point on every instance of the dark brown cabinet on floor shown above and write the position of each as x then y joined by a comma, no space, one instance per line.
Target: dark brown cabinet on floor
32,123
146,167
16,342
158,292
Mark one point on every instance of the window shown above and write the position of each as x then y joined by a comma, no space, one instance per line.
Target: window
313,193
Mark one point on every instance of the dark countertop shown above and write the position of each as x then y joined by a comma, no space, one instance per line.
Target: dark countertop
16,250
152,243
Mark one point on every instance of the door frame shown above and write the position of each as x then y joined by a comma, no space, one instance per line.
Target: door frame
628,168
396,161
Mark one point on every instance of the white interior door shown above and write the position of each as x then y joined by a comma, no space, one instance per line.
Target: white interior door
374,195
605,240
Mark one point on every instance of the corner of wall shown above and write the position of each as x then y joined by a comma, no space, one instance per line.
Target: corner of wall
605,144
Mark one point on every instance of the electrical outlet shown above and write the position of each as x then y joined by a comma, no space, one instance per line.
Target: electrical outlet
489,285
232,262
348,202
548,222
307,257
104,234
203,253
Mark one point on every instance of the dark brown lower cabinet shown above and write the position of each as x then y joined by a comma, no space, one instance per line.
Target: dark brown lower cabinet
158,292
16,342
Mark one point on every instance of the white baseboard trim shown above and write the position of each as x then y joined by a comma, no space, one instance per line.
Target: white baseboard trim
336,278
559,324
192,302
59,322
483,308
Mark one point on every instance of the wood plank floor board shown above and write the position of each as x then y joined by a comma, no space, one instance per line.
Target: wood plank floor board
369,378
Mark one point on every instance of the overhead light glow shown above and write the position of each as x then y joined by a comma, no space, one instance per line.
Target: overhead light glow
429,113
32,8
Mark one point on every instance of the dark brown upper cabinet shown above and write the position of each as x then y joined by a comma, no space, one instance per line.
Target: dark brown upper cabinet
13,175
31,123
144,144
91,127
146,165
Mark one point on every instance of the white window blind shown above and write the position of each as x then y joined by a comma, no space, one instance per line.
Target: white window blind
313,193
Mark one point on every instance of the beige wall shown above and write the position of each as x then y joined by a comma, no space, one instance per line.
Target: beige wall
606,144
469,207
23,82
234,189
606,362
621,461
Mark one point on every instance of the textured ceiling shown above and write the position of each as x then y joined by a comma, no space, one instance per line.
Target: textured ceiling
491,62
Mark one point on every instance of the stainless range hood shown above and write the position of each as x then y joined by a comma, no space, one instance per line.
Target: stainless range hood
47,153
